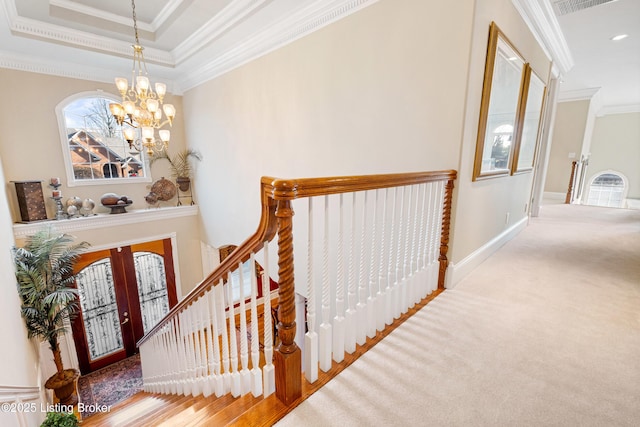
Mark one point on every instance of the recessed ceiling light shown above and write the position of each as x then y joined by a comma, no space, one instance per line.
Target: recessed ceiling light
619,37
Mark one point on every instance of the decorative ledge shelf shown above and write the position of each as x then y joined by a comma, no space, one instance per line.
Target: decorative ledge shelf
106,220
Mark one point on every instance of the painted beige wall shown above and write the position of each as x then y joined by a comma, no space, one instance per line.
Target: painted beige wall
30,149
486,208
615,145
382,90
18,353
568,137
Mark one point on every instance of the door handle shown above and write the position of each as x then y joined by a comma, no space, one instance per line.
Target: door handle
126,318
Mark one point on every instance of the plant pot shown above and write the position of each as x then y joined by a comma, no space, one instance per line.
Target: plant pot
65,387
183,183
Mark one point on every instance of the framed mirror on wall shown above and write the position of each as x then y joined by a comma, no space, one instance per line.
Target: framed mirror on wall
499,110
531,104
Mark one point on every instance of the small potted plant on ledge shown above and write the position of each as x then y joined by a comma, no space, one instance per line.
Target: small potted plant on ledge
180,165
44,273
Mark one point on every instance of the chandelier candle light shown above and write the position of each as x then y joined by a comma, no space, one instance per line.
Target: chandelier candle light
140,106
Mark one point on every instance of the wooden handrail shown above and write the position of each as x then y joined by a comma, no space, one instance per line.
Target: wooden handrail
265,232
277,213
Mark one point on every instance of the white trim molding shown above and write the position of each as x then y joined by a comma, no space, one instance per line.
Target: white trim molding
106,220
620,109
458,271
25,405
578,94
542,21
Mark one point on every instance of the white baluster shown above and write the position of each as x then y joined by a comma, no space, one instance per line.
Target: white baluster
256,375
193,368
214,359
205,346
311,337
236,385
381,296
338,320
203,369
224,330
419,248
245,375
373,275
397,297
350,315
210,374
406,254
177,357
433,257
427,242
325,338
390,290
164,348
186,355
361,307
268,371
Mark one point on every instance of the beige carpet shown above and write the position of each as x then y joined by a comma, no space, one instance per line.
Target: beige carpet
544,333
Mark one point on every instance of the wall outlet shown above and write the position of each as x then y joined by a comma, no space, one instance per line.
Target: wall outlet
506,219
572,155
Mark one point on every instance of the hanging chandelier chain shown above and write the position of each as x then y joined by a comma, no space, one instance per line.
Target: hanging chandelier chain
135,22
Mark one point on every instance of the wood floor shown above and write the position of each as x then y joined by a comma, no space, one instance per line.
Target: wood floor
146,409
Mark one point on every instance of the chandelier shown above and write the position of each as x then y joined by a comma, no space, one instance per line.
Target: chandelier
141,107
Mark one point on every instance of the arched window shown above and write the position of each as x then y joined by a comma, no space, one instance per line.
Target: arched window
93,146
607,189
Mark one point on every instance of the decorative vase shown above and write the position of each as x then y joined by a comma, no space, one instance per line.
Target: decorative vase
183,183
65,387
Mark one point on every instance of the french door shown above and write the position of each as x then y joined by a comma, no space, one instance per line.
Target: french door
123,293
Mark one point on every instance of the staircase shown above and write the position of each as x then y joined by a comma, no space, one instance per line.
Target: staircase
374,253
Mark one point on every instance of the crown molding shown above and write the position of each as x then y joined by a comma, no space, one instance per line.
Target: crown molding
578,95
66,36
620,109
62,69
292,27
100,14
541,20
233,13
106,220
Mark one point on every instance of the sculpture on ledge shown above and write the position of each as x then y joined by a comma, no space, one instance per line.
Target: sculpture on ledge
116,203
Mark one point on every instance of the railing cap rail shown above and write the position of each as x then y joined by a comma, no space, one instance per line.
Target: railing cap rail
289,189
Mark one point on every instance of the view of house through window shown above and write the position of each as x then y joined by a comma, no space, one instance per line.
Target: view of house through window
96,149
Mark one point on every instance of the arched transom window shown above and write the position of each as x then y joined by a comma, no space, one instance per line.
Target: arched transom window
607,189
94,149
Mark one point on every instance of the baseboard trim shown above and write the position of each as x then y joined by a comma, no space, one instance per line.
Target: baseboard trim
458,271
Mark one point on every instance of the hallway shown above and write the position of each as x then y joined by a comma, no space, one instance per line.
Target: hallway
545,332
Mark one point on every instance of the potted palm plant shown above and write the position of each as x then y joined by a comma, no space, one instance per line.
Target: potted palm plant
180,165
45,278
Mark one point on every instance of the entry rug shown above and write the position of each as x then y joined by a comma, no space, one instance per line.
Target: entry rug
111,384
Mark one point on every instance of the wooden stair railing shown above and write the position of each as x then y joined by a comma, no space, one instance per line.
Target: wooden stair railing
421,207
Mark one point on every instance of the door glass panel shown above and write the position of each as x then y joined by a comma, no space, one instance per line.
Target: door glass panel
99,309
152,288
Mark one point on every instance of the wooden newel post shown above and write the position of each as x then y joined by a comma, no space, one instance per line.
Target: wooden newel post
569,198
287,358
444,236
